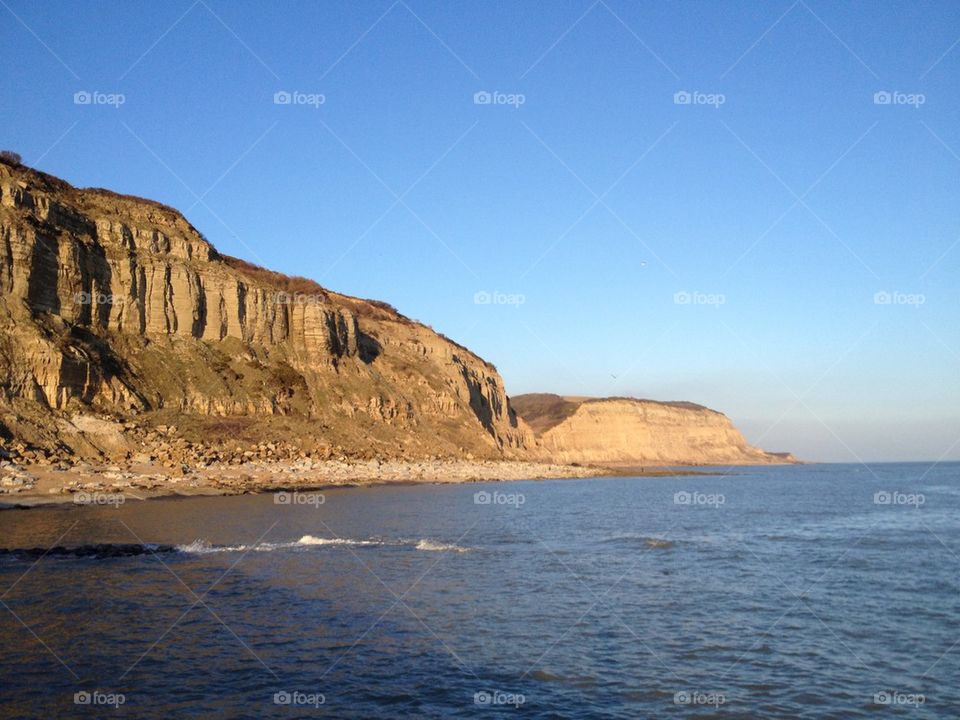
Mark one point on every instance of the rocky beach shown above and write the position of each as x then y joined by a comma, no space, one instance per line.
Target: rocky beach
168,465
86,484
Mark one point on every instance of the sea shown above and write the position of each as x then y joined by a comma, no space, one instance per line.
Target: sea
807,591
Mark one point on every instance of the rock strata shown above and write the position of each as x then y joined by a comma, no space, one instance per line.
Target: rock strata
117,306
627,431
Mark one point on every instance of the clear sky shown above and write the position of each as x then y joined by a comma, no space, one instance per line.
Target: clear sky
727,250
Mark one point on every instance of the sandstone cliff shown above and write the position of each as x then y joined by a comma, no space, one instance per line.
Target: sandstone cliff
626,431
115,304
124,332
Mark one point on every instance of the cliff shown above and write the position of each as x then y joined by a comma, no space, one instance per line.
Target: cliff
124,332
627,431
116,305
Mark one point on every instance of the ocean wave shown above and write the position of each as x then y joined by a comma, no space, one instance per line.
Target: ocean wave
637,539
434,546
203,547
312,540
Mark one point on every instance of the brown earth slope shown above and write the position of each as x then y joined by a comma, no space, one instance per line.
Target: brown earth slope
116,306
627,431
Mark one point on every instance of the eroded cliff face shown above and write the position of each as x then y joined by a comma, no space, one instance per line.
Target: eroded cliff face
118,304
625,431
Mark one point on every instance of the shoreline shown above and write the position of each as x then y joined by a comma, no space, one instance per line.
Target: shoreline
31,486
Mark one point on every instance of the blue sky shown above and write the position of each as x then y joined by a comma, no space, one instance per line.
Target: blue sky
729,250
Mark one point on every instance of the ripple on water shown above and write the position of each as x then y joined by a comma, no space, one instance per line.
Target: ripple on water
637,540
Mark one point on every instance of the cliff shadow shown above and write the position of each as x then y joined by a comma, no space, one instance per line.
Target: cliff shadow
96,281
368,347
42,295
87,357
479,403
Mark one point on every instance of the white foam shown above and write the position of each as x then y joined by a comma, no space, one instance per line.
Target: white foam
312,540
439,546
202,547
